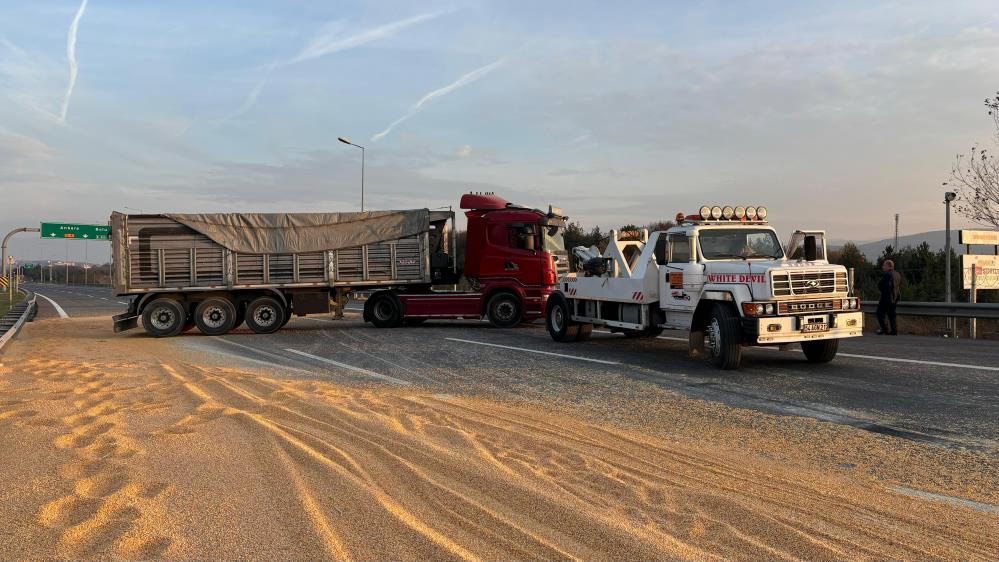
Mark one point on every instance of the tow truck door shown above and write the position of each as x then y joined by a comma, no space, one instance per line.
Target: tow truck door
682,280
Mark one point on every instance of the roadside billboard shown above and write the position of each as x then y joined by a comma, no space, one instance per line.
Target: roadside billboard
980,237
986,271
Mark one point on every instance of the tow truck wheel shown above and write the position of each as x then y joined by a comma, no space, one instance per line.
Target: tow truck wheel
722,338
822,351
265,315
386,311
164,317
504,310
560,327
215,316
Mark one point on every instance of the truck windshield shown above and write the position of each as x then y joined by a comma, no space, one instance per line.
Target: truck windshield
552,241
740,243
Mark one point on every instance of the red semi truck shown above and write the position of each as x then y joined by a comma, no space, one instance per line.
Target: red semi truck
514,257
217,271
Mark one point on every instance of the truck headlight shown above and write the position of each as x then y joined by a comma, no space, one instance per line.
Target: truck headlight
770,309
753,308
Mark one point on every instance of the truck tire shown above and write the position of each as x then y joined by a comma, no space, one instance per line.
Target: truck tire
584,332
215,316
722,338
822,351
560,326
386,311
164,317
265,315
505,310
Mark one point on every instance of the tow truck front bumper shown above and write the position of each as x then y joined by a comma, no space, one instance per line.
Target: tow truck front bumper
792,329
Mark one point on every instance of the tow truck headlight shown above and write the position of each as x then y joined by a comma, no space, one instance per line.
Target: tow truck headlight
751,213
705,212
740,212
753,308
716,212
761,213
728,213
770,309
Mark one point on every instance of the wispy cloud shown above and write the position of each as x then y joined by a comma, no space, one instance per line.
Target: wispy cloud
332,40
71,56
440,92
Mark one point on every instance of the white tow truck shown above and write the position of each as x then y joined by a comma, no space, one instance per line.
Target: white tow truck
721,275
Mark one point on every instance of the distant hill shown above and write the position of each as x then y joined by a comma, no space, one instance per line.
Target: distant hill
934,238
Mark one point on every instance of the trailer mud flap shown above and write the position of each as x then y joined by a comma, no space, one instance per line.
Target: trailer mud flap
126,321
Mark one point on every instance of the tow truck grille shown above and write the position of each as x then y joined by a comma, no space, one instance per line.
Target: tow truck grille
806,307
789,283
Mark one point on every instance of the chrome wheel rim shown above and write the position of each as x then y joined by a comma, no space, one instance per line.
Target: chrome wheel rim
558,318
163,318
213,317
265,315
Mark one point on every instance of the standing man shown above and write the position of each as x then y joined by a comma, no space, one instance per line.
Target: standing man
890,286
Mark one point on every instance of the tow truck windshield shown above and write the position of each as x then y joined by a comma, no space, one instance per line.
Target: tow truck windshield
740,244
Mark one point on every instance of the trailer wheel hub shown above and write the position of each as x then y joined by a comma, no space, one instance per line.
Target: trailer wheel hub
214,317
163,319
264,315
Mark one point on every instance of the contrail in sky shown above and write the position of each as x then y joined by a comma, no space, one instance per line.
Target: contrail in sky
329,41
460,82
71,55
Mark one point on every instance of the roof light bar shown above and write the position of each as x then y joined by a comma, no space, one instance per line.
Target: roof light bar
729,213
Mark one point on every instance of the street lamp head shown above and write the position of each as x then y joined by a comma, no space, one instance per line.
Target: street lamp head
344,140
949,196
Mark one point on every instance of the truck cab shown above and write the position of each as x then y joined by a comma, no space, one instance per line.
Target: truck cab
514,256
724,277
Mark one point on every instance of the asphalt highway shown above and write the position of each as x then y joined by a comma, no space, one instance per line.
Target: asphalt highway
926,389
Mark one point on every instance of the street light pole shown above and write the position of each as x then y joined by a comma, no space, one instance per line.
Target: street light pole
3,257
345,140
948,197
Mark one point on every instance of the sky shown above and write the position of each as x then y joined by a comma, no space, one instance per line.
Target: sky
833,115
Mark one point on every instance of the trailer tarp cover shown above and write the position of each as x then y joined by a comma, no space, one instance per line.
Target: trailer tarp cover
286,233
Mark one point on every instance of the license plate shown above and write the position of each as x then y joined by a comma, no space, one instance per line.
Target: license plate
816,327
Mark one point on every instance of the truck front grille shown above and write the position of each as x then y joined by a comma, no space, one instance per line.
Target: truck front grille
807,307
792,283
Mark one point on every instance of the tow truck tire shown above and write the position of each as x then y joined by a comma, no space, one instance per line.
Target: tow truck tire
215,316
265,315
723,341
386,311
560,327
822,351
164,317
504,310
584,332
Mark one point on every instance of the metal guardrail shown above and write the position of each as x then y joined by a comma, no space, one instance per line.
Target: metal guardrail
954,309
11,323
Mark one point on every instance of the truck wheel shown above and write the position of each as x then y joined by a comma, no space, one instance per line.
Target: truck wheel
215,316
584,332
504,310
164,317
822,351
386,311
560,327
264,315
722,338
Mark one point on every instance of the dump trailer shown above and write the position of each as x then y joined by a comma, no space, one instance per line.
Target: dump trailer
217,271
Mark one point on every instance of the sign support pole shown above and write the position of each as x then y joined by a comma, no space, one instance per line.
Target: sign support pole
973,298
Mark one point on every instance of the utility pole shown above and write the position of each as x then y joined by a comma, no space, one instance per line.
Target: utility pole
948,197
3,256
896,233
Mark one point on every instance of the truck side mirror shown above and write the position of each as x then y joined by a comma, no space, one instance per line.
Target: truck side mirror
811,252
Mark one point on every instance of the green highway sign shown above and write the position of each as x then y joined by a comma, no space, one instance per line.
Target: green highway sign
28,266
55,230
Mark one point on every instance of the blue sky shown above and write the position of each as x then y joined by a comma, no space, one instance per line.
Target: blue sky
835,116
